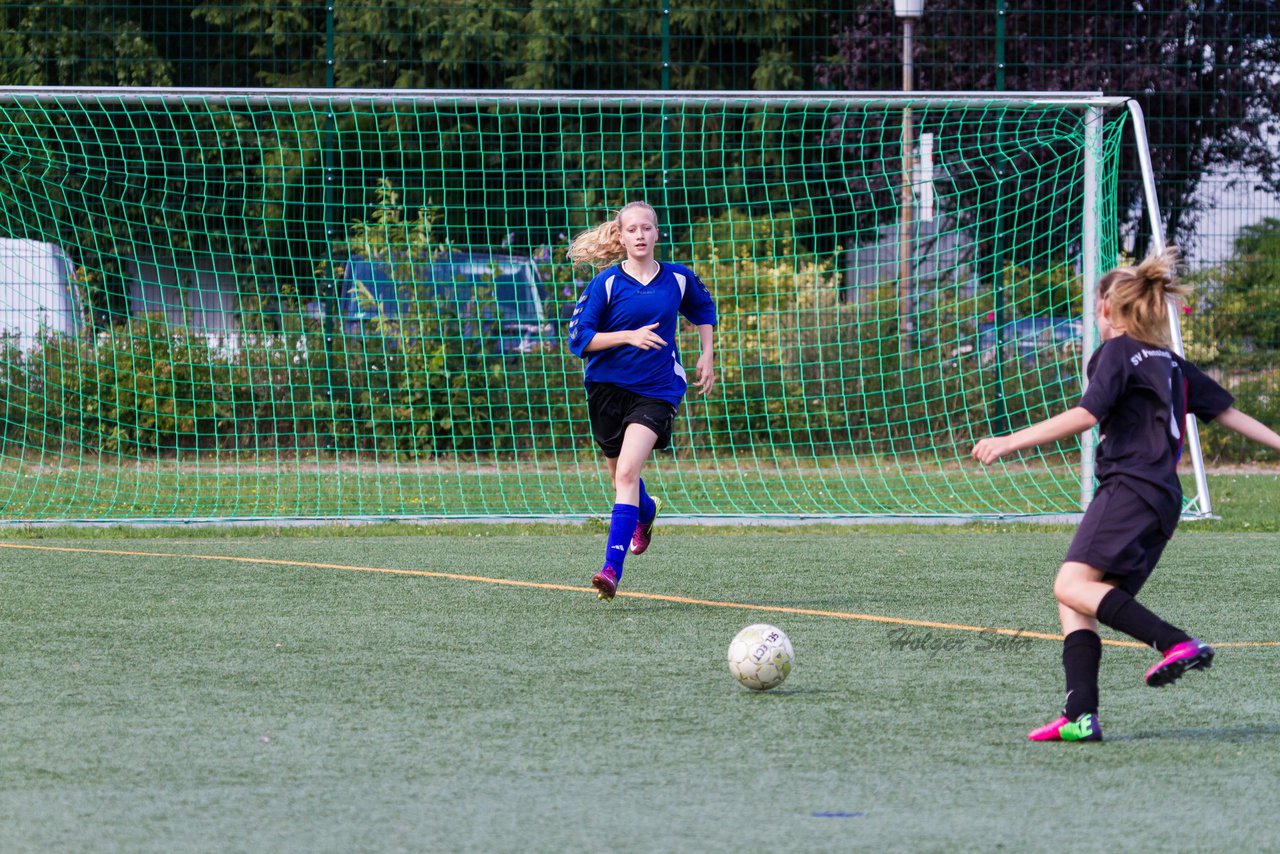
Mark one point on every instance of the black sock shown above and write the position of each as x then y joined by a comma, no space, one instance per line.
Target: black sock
1125,614
1081,654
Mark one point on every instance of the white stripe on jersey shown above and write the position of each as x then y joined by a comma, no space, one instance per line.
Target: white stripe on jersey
682,280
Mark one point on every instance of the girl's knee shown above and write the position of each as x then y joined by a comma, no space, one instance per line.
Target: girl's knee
1072,584
1065,589
626,475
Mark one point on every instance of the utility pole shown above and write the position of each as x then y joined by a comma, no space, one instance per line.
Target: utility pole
909,11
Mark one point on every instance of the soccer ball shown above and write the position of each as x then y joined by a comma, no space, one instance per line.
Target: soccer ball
760,657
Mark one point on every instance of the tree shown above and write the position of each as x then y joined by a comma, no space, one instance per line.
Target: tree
535,44
65,43
1204,73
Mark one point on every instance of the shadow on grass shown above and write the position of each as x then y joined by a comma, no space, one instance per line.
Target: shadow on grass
790,692
1241,733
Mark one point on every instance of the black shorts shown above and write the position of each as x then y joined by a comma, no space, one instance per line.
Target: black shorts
611,409
1122,535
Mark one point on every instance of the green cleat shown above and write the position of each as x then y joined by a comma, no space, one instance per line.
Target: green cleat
1083,728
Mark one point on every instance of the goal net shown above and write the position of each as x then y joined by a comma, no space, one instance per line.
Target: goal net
279,305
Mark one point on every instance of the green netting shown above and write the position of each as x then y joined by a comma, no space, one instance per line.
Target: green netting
351,304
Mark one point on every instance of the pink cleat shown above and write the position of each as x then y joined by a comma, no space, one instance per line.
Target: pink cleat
1048,732
606,582
1083,728
644,533
1188,655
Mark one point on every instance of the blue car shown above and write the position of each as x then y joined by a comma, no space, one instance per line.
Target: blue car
1031,338
498,298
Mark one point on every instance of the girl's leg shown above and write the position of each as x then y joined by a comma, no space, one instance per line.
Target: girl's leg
1073,621
1081,588
648,506
637,442
1081,658
646,503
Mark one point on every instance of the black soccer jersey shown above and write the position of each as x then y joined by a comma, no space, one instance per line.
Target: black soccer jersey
1141,395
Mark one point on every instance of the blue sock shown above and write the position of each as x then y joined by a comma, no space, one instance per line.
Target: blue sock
647,508
621,526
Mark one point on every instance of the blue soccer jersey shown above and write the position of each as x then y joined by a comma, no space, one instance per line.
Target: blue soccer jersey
615,302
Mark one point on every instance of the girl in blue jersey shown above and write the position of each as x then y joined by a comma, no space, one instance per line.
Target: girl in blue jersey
1139,393
624,327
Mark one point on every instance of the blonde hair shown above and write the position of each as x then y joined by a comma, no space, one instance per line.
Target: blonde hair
602,245
1140,296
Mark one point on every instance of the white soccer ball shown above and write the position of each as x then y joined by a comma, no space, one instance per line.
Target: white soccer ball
760,657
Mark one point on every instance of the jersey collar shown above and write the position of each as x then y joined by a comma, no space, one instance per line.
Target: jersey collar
623,271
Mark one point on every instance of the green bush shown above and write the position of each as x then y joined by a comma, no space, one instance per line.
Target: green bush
798,368
1256,394
135,388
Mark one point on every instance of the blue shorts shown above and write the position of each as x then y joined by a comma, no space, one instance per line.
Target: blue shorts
1122,535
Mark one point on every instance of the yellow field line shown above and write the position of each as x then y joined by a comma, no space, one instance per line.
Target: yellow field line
630,594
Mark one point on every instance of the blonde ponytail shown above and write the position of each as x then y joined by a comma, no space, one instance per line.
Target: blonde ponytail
599,246
1140,296
602,245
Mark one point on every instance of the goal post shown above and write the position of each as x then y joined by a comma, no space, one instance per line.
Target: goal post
339,304
1198,505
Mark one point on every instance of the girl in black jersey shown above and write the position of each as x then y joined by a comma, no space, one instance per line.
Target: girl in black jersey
1139,393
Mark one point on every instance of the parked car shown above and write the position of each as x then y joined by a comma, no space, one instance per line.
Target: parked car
37,291
497,298
195,292
1031,338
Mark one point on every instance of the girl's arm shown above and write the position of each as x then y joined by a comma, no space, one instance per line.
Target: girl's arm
644,338
1070,423
706,361
1249,427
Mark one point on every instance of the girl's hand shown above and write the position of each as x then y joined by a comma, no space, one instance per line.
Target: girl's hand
991,449
706,373
645,338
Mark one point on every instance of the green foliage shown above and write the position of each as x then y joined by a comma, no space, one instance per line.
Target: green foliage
1237,305
14,391
829,378
137,389
95,44
529,45
798,367
805,372
1052,290
1255,393
756,261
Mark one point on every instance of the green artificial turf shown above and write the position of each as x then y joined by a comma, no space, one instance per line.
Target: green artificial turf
192,703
